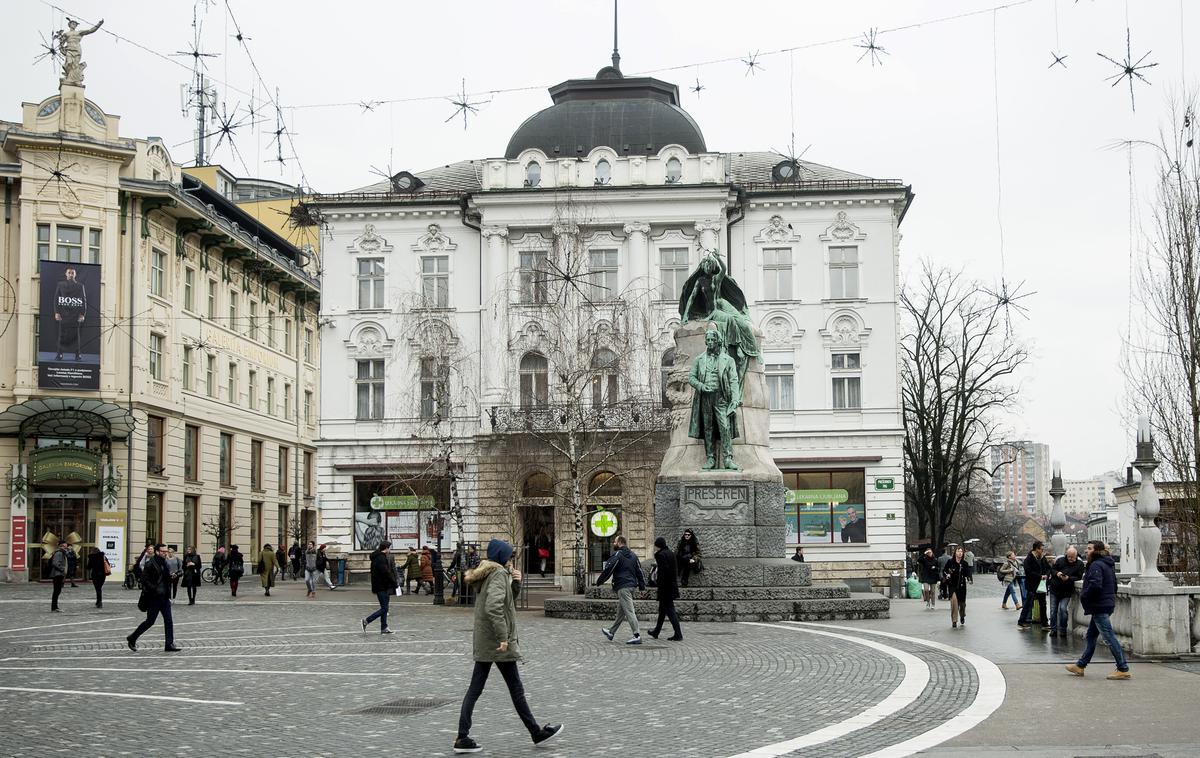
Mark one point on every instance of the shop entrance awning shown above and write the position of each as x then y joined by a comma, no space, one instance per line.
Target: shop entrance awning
67,417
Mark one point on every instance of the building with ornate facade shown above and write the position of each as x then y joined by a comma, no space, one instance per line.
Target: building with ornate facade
500,334
158,350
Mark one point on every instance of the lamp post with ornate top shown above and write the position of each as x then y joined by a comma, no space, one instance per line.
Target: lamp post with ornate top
1149,537
1058,519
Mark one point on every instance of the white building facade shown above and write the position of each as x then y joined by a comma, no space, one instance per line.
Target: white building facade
437,345
1084,496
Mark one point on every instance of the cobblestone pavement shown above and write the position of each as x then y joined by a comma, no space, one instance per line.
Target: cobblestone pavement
282,676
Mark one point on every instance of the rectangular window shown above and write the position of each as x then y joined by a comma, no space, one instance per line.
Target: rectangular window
673,271
846,361
191,521
847,392
154,514
43,242
252,390
69,244
282,515
435,388
435,281
270,396
256,523
308,417
225,522
777,273
158,271
270,328
825,507
534,276
287,401
602,272
843,273
308,474
191,453
779,386
187,369
210,376
189,289
308,345
94,246
284,473
256,459
287,336
155,444
253,320
212,298
156,356
370,389
370,283
233,311
226,459
233,382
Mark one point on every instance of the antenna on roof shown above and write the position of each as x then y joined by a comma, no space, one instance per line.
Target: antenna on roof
616,56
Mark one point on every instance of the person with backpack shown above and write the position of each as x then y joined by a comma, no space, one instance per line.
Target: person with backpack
155,599
383,584
59,565
1007,574
266,569
494,641
626,573
237,569
310,569
667,591
98,570
191,573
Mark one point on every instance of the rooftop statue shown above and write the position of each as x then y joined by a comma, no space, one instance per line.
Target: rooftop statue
72,51
711,294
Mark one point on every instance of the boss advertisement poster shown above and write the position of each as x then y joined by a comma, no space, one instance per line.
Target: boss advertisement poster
69,326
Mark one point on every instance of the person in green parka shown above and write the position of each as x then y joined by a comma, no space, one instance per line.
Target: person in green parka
268,565
496,582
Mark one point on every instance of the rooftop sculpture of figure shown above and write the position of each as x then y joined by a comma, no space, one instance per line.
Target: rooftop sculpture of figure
714,405
72,51
711,294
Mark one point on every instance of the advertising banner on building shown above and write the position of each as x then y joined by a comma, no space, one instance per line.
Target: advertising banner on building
18,543
110,538
69,326
402,529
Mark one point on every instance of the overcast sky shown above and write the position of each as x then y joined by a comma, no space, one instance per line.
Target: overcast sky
926,115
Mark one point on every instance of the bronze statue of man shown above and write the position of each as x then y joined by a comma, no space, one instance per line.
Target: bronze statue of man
714,376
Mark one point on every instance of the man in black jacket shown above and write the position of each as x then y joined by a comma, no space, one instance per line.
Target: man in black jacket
70,309
626,573
156,594
931,574
668,590
383,584
1099,599
1035,571
1067,570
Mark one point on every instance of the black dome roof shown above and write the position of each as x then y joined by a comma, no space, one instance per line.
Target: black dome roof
631,116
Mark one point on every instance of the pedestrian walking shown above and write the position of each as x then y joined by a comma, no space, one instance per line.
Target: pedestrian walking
310,569
1008,577
383,584
142,559
98,570
192,567
435,563
296,555
687,554
155,599
72,565
426,563
1099,599
1034,575
237,568
281,562
175,566
626,573
496,583
470,560
412,570
955,577
668,591
219,562
1066,571
58,572
931,575
543,545
323,569
942,560
266,569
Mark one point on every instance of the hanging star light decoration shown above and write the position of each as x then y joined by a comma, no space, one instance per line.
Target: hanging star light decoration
697,87
49,49
752,64
1009,300
1130,69
56,174
464,106
367,105
301,217
1059,60
871,47
227,125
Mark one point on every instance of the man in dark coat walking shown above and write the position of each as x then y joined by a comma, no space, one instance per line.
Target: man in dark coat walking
668,590
155,599
1099,599
1035,571
626,573
383,584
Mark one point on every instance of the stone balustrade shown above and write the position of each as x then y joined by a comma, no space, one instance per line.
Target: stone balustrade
1157,621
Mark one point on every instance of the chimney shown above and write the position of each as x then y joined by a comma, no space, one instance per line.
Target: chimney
1129,474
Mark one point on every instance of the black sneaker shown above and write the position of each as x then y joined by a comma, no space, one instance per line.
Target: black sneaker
132,645
171,649
547,733
363,623
466,745
386,631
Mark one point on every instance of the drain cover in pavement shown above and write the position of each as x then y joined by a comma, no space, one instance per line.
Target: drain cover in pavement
405,706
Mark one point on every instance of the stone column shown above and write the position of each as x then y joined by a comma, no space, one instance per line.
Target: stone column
1149,537
639,257
708,230
493,303
1058,519
642,292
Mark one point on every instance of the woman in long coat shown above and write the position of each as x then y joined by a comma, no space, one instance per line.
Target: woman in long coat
426,569
668,590
191,573
954,578
269,565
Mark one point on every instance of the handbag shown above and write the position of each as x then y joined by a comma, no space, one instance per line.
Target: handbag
107,568
1042,587
144,602
653,580
543,552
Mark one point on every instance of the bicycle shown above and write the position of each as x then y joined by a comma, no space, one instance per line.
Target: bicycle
208,575
131,582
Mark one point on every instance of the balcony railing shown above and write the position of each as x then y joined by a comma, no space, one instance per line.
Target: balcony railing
562,417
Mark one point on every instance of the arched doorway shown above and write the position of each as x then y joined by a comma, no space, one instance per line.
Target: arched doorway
537,526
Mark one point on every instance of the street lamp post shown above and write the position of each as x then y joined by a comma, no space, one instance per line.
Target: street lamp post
439,589
1058,519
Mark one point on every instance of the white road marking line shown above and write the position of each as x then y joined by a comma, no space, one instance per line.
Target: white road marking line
107,694
916,678
988,698
43,648
202,671
36,637
236,655
264,633
73,623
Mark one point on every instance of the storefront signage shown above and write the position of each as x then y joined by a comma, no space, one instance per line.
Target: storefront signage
884,483
817,496
68,462
402,502
604,523
68,350
18,543
110,538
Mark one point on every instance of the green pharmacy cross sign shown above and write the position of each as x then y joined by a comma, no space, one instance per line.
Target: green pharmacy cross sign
604,523
817,496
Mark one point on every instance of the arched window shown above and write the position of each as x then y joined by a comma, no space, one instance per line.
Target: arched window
674,170
535,380
604,377
668,362
533,174
603,171
537,484
605,484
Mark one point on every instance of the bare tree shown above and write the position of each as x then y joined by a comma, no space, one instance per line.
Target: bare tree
1162,359
220,529
956,378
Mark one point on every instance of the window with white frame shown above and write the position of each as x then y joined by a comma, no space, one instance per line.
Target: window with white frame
435,281
210,375
156,355
777,273
534,380
187,368
252,390
847,380
602,271
308,345
287,336
674,170
533,276
370,283
603,171
158,271
212,298
253,320
270,328
189,289
435,388
533,174
233,311
233,383
370,386
672,271
270,396
780,378
287,401
843,272
604,378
